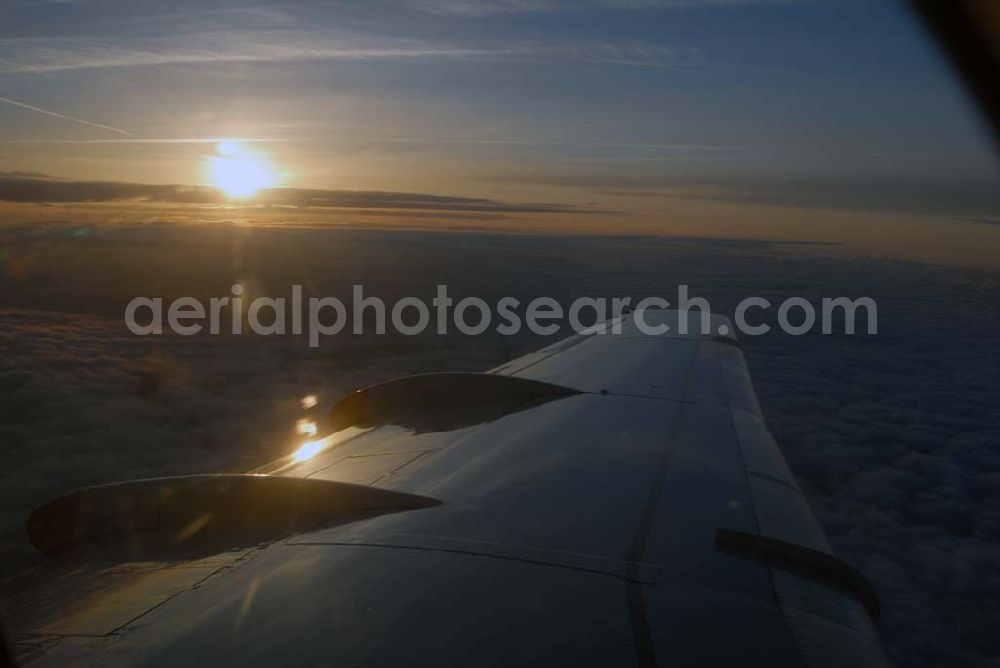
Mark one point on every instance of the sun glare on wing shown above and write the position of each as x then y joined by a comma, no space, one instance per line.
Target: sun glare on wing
308,450
237,171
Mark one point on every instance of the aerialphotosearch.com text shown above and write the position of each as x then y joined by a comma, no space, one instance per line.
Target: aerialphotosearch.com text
319,317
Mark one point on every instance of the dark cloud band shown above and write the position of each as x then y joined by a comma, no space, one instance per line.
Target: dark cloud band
15,187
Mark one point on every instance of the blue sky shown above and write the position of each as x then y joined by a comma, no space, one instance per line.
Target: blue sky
640,106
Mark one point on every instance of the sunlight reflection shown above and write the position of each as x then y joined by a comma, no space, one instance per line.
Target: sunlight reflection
308,450
305,427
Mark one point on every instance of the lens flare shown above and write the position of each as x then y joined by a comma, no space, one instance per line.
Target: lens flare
305,427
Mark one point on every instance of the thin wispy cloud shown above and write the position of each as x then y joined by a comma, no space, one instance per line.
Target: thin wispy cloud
475,8
65,117
561,142
34,55
140,140
894,194
38,55
982,221
708,151
34,188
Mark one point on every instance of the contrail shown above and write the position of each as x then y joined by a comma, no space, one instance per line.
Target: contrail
148,140
64,116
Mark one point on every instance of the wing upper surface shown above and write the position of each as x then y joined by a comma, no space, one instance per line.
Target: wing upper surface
581,489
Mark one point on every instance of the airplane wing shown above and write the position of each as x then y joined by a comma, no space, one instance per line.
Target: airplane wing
613,499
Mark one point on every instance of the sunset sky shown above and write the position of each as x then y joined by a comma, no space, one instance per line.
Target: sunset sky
565,149
795,119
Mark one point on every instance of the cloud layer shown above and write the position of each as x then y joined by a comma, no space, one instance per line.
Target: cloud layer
25,188
888,193
894,438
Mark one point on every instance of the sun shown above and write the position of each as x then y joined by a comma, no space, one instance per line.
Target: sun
237,171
